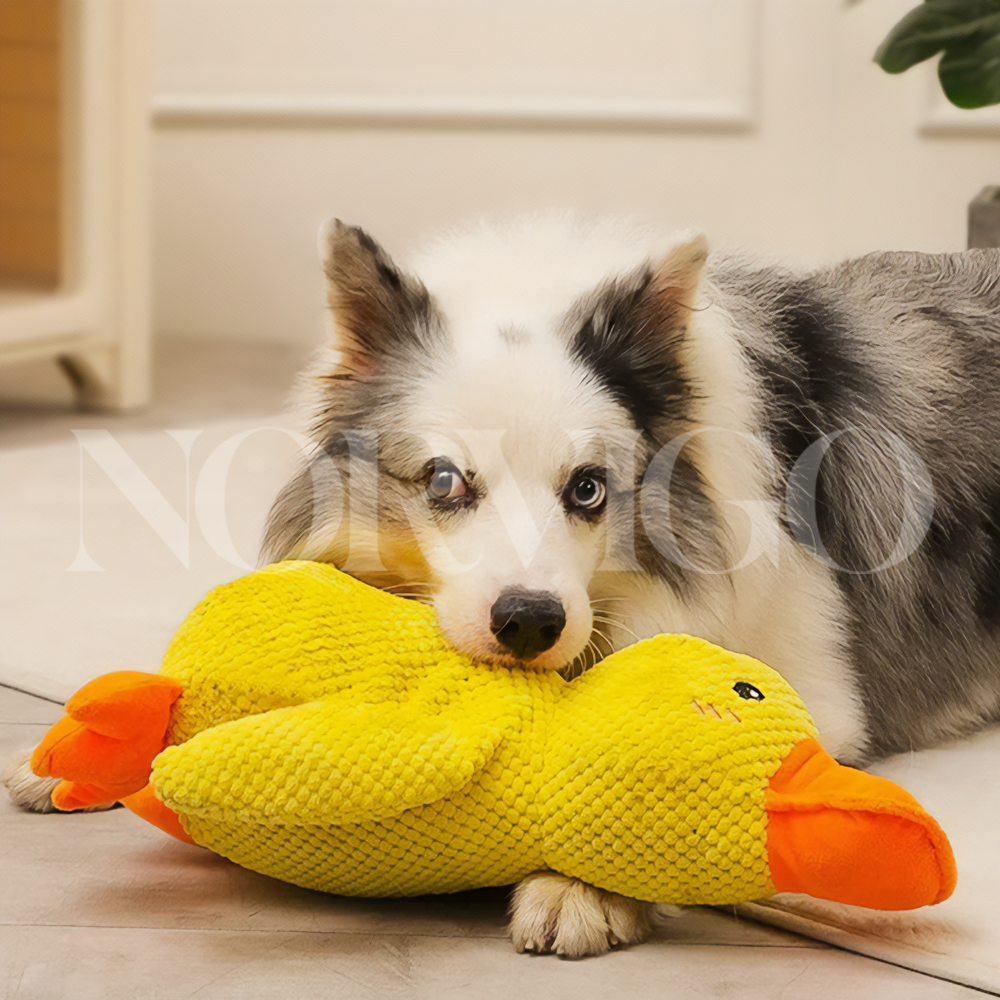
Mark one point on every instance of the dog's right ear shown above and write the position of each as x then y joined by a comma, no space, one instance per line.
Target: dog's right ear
376,308
678,274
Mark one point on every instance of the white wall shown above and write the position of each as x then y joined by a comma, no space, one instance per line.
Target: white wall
762,121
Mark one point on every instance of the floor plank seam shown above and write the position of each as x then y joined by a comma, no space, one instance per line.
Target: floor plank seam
31,694
812,946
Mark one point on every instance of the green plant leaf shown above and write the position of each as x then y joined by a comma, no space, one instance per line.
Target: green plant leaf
970,76
927,29
966,31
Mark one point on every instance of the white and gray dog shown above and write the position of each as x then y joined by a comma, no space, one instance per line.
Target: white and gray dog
568,435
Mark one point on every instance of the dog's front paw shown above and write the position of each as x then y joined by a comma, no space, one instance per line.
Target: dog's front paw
28,791
552,913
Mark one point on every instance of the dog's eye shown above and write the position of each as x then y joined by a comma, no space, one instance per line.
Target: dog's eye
747,691
587,492
446,483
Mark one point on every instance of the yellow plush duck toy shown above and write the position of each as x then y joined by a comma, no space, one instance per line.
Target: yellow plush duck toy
315,729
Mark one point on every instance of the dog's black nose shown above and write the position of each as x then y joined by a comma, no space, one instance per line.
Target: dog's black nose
527,622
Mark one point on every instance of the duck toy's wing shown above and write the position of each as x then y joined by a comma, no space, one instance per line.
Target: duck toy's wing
326,762
323,763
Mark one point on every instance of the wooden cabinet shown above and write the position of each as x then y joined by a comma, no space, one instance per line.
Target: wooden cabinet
74,216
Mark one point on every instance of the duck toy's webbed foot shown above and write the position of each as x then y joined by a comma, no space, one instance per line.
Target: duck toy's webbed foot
103,747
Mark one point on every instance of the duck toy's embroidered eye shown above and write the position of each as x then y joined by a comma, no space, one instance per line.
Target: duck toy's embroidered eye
747,691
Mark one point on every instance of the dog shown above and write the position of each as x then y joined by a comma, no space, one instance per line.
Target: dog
568,435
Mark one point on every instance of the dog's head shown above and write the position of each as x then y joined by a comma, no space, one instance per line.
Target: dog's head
481,430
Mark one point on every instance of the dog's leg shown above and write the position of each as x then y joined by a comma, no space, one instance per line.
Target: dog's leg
27,790
30,792
552,913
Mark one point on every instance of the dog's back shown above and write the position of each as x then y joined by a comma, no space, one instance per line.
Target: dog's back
892,362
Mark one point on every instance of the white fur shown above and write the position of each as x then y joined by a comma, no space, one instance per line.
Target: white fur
526,272
521,444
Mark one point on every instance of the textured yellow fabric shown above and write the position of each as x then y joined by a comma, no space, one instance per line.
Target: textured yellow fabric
329,736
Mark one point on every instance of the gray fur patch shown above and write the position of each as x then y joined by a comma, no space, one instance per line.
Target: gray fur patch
894,346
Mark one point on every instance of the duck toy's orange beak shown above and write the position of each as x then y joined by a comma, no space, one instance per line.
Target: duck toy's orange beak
840,834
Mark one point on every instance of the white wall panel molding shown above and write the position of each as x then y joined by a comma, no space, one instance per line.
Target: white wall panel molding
634,64
763,122
265,109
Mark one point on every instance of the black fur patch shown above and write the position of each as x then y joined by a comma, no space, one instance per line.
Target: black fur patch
630,337
630,340
819,375
815,384
989,583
